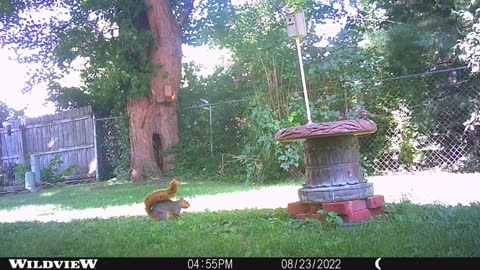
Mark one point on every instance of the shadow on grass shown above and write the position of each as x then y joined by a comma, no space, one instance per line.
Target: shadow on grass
103,194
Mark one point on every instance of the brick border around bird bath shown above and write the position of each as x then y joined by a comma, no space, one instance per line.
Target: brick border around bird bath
332,169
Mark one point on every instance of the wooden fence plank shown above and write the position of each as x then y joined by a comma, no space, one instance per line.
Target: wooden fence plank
69,134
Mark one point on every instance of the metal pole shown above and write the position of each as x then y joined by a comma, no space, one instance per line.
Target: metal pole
211,133
305,94
95,146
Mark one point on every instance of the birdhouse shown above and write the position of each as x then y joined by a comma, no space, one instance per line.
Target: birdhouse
296,27
169,94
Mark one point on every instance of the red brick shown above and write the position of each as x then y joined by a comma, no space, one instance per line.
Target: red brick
357,216
346,207
298,208
317,217
314,207
314,216
377,211
375,201
301,216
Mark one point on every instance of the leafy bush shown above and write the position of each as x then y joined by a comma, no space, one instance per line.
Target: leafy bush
121,151
332,219
52,174
7,169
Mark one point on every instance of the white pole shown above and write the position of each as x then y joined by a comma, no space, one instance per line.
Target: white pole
211,131
305,94
95,147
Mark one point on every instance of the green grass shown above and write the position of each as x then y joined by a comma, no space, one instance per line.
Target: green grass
103,194
408,230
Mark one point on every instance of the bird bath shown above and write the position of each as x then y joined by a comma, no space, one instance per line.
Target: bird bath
332,169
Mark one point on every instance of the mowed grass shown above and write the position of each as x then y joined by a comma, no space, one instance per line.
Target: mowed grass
102,194
408,230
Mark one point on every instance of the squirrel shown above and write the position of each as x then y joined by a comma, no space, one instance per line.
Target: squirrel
164,209
159,206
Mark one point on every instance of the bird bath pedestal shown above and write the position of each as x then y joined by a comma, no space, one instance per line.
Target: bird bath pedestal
333,175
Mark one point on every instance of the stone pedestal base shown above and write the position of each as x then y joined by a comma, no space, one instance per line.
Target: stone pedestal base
336,194
333,176
351,211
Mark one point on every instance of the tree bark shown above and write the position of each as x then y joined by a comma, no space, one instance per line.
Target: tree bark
168,53
156,114
142,161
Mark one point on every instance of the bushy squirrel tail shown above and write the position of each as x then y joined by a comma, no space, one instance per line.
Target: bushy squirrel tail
160,195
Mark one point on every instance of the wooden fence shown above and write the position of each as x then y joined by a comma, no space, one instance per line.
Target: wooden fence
69,134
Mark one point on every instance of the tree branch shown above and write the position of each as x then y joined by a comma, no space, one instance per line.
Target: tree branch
187,9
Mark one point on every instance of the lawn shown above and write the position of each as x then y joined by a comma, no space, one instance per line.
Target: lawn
408,229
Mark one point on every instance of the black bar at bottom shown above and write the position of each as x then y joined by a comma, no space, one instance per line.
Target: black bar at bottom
218,263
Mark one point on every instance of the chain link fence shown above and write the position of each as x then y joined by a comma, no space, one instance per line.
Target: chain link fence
426,122
209,133
112,148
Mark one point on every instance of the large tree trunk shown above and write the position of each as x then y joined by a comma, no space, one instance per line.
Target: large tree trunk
141,117
168,53
153,118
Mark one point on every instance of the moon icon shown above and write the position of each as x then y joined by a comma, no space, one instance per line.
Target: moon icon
377,264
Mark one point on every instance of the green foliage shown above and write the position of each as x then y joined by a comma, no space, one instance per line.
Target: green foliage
467,48
8,172
51,172
414,36
118,63
266,71
471,163
408,150
106,41
120,144
262,127
381,40
113,147
331,219
7,113
197,138
66,98
20,171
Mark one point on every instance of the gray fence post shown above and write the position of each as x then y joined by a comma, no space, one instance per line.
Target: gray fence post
21,141
35,164
97,174
30,181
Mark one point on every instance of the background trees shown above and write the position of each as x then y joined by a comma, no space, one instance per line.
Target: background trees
378,40
7,113
129,54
